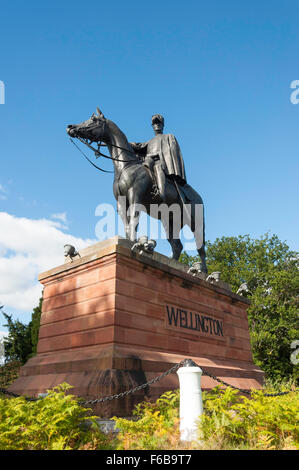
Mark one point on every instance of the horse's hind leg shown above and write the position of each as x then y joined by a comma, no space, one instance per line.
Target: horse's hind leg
174,238
198,229
177,248
201,250
202,254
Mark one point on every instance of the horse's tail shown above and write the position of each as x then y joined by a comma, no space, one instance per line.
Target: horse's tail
191,195
196,220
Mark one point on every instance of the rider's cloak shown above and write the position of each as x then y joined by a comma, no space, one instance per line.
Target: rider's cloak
167,149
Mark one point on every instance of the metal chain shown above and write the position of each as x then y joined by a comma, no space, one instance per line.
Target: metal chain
150,382
135,389
242,389
15,395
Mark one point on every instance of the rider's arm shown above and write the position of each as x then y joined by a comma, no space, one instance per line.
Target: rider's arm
139,147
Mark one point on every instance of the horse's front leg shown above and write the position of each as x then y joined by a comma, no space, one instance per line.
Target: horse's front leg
122,211
133,214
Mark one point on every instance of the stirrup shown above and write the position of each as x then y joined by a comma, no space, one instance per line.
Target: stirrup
156,195
155,190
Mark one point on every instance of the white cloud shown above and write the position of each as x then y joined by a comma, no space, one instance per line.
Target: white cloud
27,248
61,216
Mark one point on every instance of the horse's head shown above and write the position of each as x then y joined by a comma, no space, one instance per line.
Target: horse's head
93,129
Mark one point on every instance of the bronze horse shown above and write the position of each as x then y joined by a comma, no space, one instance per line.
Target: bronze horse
134,183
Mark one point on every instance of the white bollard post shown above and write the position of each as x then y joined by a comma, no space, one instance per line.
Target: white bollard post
190,400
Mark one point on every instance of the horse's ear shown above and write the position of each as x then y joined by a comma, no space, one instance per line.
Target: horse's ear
100,114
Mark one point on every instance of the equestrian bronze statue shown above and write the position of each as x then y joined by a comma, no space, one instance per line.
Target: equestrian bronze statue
162,155
149,176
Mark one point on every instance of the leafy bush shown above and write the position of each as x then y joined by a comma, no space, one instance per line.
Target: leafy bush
55,422
232,421
156,427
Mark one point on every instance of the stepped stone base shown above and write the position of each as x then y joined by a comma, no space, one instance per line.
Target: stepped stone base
114,319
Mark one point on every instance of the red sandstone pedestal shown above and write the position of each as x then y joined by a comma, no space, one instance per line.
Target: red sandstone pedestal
114,319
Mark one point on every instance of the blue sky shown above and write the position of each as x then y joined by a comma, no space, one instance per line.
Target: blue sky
219,72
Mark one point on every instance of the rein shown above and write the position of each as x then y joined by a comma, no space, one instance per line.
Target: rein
98,153
85,156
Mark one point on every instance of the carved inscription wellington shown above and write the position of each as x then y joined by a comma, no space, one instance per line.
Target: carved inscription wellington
179,318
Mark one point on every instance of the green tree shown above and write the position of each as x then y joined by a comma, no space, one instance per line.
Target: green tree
21,342
270,270
35,324
17,345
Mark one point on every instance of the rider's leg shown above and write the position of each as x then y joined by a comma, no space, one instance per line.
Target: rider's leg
160,178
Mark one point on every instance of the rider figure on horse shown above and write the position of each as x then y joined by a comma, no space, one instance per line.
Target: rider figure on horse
162,155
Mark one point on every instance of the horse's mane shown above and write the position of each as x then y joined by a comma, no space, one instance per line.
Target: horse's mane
116,131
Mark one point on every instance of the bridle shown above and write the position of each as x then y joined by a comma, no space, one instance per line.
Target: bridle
98,152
